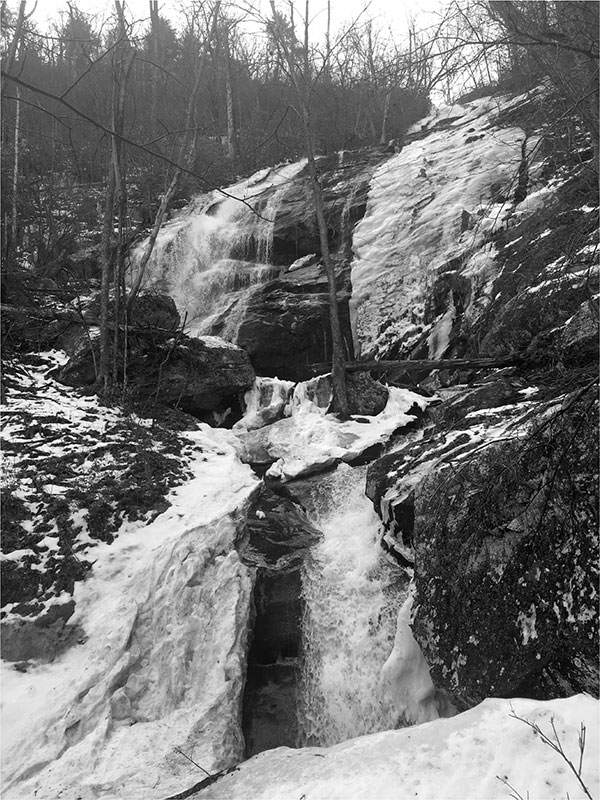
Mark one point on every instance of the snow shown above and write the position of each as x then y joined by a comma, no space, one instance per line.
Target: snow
465,756
107,715
216,343
405,678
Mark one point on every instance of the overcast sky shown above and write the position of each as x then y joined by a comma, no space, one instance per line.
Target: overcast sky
389,13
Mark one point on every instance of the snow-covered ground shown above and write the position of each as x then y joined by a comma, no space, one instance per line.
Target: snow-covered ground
159,667
482,754
108,716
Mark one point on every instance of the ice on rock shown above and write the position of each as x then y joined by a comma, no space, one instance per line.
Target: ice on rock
310,441
267,400
162,666
412,225
405,681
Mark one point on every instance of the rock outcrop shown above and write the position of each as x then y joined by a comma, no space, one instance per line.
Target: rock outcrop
284,323
499,514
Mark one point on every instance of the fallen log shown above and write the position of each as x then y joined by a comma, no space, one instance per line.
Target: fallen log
423,364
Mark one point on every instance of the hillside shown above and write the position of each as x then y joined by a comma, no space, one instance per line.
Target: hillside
211,567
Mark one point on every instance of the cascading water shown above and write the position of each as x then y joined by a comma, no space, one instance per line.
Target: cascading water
352,595
217,252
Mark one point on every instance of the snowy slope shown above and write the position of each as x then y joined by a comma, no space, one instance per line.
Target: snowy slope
107,715
462,758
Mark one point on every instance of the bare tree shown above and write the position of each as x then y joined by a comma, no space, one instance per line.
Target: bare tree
299,72
115,198
185,158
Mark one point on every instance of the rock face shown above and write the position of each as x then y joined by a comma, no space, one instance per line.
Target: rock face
274,540
285,325
502,515
460,265
464,421
345,182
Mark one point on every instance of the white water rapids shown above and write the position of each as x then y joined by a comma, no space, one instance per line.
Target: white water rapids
352,596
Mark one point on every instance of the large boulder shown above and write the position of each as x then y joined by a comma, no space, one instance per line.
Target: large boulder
506,560
196,375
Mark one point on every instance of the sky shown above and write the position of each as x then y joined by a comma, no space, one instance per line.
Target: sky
390,13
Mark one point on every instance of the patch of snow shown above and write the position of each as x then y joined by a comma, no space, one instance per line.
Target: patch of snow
526,623
217,343
301,262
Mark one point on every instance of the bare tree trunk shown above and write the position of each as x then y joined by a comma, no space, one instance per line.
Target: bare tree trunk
155,54
14,228
386,113
302,87
115,192
106,262
12,50
327,69
232,148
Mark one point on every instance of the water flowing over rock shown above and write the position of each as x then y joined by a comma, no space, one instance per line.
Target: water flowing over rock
226,262
352,597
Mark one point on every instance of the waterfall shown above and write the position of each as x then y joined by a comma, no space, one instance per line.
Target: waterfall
213,255
352,596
